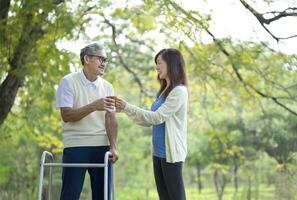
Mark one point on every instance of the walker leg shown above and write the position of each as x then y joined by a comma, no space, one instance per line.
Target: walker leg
41,176
112,182
106,176
50,183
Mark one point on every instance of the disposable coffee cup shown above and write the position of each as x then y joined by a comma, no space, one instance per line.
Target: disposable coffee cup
111,110
114,108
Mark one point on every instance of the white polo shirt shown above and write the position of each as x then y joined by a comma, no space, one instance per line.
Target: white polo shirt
75,91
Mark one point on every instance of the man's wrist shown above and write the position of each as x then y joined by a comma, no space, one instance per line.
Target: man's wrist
92,107
113,146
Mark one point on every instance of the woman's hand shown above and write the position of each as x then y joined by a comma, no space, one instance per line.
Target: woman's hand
120,104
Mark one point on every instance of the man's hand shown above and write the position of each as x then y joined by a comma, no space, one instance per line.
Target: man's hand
104,104
114,155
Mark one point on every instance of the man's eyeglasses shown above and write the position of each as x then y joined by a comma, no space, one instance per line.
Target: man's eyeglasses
100,58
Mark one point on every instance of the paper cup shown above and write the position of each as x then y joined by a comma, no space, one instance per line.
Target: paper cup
114,108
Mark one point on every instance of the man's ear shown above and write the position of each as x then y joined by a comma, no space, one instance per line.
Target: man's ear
86,59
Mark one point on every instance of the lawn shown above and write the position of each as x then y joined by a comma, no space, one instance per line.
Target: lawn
264,193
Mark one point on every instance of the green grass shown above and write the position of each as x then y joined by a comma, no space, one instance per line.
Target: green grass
264,193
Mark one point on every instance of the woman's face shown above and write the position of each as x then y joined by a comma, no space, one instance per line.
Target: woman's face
161,68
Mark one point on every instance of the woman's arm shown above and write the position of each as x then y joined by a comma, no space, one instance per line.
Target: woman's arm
176,98
138,121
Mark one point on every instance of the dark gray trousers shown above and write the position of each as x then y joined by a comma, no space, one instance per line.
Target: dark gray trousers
169,179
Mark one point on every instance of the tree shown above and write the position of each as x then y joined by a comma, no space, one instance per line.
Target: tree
26,28
193,21
271,16
238,91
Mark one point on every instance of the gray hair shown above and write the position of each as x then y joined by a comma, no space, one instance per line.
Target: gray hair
90,49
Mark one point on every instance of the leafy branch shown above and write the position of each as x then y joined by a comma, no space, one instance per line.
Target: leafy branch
249,87
124,64
276,15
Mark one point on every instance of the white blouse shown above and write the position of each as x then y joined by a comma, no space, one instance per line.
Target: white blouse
174,113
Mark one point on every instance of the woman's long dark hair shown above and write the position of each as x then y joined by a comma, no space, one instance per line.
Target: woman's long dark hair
176,70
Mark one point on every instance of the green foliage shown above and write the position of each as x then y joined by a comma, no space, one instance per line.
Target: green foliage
233,131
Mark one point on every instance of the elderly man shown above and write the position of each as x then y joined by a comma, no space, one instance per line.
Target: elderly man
89,125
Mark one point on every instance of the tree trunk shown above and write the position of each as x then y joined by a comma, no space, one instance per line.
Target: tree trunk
8,92
198,168
235,180
5,5
249,192
285,188
31,33
220,183
235,173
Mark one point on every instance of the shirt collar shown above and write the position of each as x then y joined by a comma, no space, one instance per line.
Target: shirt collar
86,81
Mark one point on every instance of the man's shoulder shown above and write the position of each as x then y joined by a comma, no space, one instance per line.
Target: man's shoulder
71,75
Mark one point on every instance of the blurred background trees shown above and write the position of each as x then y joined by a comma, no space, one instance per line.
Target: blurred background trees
242,111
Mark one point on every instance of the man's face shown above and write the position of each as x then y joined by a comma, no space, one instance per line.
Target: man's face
97,62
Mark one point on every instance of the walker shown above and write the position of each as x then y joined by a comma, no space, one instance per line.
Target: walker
43,164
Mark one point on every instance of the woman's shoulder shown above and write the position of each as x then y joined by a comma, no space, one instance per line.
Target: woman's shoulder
179,90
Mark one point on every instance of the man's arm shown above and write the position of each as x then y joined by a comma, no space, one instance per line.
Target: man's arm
111,130
75,114
65,101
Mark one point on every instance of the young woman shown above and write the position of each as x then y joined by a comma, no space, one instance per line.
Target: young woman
168,116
